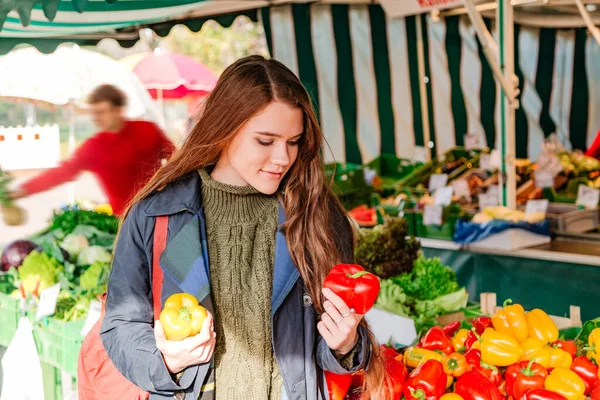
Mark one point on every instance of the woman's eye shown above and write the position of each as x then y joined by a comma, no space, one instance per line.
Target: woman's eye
294,143
263,143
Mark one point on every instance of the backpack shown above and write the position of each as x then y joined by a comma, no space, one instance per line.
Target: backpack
97,377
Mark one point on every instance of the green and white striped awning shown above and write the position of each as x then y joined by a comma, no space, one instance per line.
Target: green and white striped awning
85,22
362,71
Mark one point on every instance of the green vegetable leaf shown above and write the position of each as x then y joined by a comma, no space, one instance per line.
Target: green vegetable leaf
587,328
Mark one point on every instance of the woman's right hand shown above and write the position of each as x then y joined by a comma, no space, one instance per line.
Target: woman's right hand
179,355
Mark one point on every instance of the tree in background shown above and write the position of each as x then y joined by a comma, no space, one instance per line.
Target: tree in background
216,46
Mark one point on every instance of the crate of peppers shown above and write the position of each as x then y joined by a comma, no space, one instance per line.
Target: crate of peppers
512,354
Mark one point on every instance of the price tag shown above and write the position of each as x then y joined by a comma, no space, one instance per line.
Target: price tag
488,200
92,316
495,160
443,196
588,197
438,181
421,154
544,179
432,215
461,189
47,304
536,206
472,142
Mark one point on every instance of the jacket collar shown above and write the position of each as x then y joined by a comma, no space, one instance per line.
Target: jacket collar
184,194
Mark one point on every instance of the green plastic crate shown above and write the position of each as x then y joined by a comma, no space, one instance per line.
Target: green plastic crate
347,178
9,318
390,169
59,342
442,232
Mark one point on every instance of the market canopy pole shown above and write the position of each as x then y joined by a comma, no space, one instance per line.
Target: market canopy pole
501,60
588,20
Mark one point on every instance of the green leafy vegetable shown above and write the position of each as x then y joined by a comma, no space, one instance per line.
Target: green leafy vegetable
428,280
39,268
95,276
587,328
93,254
393,299
453,301
68,219
386,250
74,244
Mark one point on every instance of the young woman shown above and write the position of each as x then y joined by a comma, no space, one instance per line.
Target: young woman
253,230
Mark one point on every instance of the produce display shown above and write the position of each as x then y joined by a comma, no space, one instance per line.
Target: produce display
512,354
75,251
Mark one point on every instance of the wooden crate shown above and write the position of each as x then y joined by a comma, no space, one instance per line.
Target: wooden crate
489,306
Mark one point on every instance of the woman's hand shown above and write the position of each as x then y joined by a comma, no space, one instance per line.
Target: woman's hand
179,355
338,324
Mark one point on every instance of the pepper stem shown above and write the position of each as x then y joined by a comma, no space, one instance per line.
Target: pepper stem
357,275
418,394
476,335
507,302
488,366
527,371
185,314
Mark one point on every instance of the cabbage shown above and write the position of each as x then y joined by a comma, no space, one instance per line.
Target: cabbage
93,254
39,269
74,244
453,301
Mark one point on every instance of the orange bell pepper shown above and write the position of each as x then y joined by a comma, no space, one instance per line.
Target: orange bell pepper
512,321
451,396
455,364
541,326
182,316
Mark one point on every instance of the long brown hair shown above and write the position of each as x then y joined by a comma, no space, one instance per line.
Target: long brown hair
243,90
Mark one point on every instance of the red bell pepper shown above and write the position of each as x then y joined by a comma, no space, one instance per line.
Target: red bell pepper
395,370
427,382
471,339
337,385
567,345
451,328
587,370
473,358
524,376
543,394
481,324
436,339
474,386
595,395
358,288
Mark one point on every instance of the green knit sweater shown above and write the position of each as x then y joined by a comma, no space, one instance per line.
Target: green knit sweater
241,226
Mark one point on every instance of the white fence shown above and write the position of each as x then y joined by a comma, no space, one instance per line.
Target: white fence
35,147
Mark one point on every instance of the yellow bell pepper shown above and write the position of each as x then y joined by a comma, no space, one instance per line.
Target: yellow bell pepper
451,396
565,382
559,358
541,326
449,381
459,339
499,349
182,316
534,350
414,356
594,345
512,321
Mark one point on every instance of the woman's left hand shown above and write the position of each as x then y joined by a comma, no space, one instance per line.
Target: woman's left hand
339,324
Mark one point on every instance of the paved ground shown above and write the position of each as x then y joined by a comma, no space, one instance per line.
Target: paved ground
40,206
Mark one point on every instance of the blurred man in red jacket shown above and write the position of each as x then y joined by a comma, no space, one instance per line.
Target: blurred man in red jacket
123,155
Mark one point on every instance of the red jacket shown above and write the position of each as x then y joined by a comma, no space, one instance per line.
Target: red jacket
123,162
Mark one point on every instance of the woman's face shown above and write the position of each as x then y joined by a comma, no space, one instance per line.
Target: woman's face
263,150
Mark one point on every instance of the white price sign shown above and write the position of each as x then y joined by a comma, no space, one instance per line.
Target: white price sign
432,215
48,299
544,179
438,181
489,199
472,141
536,206
92,316
443,196
495,161
486,162
461,189
588,197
